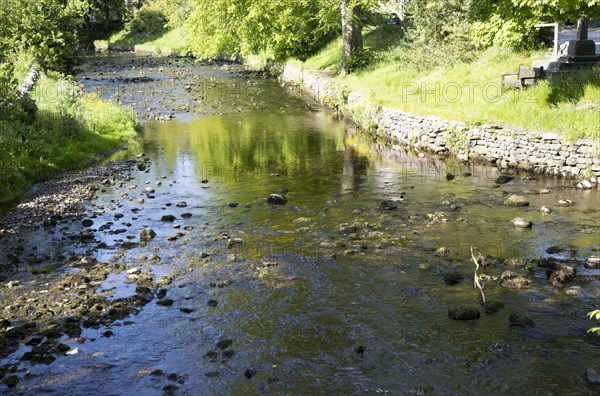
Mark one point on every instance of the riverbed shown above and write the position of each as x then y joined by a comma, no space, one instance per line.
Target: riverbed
344,289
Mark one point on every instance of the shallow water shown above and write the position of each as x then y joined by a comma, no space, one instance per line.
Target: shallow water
305,291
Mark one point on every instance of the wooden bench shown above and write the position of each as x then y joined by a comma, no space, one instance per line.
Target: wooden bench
526,77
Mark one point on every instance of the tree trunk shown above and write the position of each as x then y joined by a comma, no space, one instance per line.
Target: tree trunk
351,32
89,40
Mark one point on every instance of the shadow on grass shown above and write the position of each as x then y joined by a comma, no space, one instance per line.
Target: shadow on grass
571,87
136,38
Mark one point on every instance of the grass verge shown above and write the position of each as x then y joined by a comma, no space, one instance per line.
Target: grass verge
466,87
67,130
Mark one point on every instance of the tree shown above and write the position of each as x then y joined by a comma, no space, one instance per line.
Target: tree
98,18
352,40
45,28
282,28
511,22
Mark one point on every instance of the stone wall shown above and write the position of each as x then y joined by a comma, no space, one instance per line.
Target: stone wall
546,153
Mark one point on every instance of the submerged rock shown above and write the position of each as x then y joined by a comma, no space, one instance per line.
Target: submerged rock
168,218
519,320
387,205
592,376
453,277
503,179
249,373
516,201
276,199
464,312
225,343
491,307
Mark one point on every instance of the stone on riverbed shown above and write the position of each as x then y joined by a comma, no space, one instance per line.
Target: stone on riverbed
452,277
168,218
514,281
519,320
520,222
491,307
147,234
515,262
276,199
387,205
592,376
234,242
592,262
563,275
464,312
503,179
516,201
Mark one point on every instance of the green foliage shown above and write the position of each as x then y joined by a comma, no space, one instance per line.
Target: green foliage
594,315
510,23
8,91
147,22
69,128
45,28
281,28
441,30
457,141
361,59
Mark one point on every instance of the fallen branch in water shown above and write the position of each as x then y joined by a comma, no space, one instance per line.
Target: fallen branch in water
476,278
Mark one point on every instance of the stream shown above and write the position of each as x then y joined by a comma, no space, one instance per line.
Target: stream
345,289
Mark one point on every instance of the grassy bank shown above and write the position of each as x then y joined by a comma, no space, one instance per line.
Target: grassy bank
466,86
164,42
69,129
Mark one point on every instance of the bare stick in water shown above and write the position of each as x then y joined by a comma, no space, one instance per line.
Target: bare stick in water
476,279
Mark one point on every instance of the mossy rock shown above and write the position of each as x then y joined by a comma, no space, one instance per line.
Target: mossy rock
517,201
464,312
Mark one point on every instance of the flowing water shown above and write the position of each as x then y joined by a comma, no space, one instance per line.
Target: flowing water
330,293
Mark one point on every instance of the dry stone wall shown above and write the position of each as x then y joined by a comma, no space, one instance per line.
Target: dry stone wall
546,153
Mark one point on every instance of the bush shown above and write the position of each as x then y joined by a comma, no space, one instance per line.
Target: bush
148,22
69,129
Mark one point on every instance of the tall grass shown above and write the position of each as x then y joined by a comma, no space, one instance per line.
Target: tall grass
466,86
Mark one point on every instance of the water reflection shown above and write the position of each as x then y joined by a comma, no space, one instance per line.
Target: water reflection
331,293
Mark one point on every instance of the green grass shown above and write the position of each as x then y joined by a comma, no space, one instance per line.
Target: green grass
164,42
69,129
466,86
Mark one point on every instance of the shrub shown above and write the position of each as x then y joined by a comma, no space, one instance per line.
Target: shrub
148,22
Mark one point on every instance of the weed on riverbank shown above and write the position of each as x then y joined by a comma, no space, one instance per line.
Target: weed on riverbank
56,128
